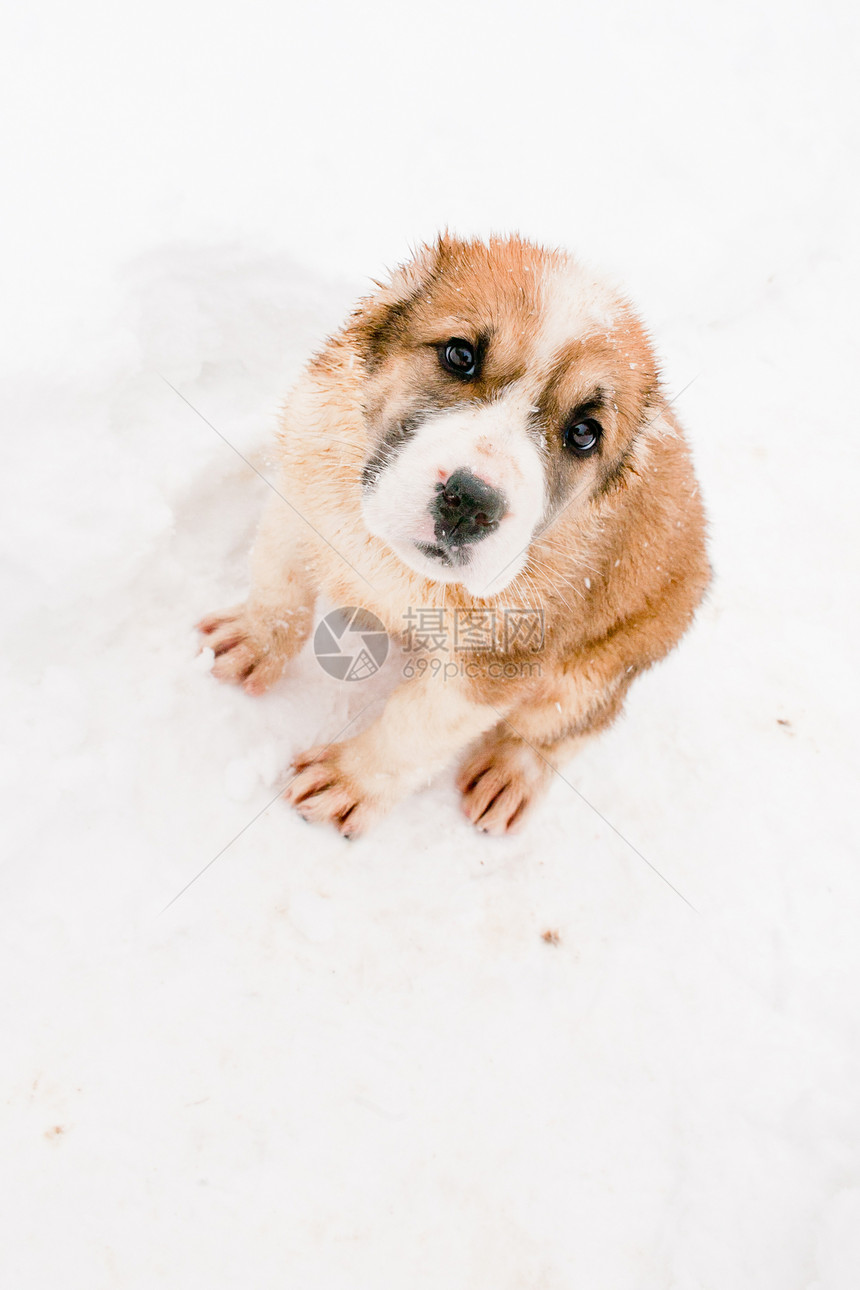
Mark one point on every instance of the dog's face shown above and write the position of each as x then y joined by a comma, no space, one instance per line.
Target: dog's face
503,384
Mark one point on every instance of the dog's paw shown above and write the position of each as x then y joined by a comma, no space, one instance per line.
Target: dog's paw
324,791
252,649
501,779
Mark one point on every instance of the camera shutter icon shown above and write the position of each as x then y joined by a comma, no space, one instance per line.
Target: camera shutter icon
351,643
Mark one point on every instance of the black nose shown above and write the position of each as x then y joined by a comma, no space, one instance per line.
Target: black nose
466,509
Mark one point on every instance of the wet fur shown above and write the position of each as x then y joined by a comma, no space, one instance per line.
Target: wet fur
617,565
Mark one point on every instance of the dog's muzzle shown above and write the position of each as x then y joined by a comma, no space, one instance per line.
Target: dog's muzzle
465,510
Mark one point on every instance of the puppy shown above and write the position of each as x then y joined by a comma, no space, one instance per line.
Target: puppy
486,439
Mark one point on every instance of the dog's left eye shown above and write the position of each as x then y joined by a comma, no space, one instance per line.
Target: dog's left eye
459,357
582,437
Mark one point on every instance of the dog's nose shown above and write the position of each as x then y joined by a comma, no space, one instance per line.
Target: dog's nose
466,509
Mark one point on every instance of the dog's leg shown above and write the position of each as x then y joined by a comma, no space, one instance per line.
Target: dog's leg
425,724
253,642
510,767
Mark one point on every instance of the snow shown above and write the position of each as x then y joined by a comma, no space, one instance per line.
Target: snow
425,1058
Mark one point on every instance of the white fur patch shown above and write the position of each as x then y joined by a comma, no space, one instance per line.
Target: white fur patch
575,305
492,441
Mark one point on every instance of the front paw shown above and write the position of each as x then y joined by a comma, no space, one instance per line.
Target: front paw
324,791
252,648
501,779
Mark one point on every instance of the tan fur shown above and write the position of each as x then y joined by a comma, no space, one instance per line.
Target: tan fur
618,572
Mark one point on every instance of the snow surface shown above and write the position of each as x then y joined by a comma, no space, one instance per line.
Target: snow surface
350,1066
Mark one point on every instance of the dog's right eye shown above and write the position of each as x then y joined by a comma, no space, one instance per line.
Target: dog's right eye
582,437
459,357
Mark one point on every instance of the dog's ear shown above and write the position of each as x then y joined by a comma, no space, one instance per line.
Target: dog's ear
379,319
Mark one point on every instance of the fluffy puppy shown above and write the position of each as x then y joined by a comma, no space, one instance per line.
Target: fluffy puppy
486,437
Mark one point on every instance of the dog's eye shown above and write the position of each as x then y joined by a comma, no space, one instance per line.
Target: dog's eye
582,437
459,357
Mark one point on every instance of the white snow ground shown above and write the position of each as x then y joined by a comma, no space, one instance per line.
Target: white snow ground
361,1067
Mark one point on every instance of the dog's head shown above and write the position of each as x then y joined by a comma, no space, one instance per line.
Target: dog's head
503,384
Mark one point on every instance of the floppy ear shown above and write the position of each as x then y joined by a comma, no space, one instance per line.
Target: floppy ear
378,319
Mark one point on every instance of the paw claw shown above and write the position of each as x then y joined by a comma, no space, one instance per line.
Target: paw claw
323,792
317,753
307,783
251,648
500,781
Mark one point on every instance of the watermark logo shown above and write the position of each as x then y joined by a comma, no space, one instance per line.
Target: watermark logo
351,644
510,629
